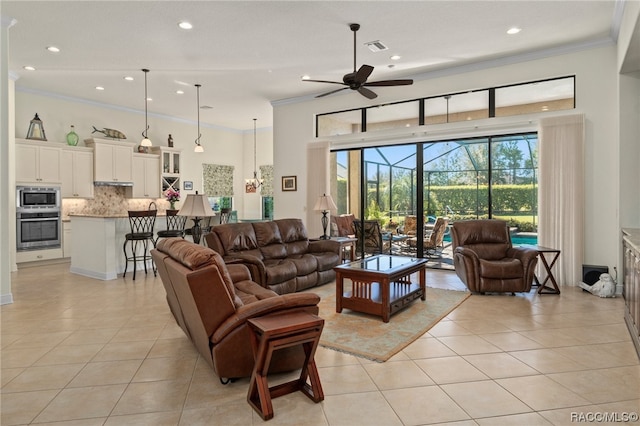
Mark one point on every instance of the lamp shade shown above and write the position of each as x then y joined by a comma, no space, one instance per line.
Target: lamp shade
324,203
196,205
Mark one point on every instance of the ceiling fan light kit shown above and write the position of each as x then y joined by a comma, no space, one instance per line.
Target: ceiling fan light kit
357,80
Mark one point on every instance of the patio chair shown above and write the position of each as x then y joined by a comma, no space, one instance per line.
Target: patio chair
373,241
435,239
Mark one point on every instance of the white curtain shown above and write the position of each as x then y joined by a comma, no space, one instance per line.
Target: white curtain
561,193
318,182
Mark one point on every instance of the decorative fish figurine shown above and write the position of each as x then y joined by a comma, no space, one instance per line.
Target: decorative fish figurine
110,133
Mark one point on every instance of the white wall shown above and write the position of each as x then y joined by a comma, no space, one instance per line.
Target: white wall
596,97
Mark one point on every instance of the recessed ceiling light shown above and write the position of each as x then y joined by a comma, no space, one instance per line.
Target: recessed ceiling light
128,78
514,30
185,25
306,77
395,57
99,88
149,100
53,49
29,68
180,92
545,108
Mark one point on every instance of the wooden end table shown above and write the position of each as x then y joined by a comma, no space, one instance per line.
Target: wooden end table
543,288
380,285
274,332
346,244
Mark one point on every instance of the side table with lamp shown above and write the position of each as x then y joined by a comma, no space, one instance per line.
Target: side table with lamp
197,207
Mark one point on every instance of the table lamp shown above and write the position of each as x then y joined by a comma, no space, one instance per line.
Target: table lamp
196,206
324,204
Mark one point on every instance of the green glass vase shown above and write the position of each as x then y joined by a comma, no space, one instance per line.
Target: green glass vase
72,137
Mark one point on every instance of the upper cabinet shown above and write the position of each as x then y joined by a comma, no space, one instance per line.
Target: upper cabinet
77,172
112,160
146,177
37,162
170,167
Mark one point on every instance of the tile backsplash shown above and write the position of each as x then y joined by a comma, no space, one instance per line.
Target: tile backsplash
109,201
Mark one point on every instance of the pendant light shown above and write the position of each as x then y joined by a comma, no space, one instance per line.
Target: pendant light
254,183
145,139
198,147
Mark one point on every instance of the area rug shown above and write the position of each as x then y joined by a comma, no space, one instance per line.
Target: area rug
368,337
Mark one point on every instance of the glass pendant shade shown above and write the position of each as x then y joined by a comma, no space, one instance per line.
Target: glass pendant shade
254,182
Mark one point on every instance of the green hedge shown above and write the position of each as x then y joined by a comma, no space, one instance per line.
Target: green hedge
464,199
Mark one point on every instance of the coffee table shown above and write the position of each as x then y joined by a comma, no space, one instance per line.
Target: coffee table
380,285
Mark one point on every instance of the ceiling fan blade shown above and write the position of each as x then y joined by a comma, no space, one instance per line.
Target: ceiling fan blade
363,73
390,83
367,93
331,92
325,81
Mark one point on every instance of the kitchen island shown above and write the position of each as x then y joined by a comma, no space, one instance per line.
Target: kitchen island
96,245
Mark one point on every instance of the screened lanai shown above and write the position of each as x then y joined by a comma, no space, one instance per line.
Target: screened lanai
488,177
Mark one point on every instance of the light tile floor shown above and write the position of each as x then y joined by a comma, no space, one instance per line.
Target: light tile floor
77,351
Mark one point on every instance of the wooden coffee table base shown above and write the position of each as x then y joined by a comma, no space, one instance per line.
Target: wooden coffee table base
382,292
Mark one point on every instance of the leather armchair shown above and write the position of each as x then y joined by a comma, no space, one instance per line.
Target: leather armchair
212,302
485,259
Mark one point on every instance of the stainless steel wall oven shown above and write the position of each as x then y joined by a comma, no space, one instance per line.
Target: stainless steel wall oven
38,221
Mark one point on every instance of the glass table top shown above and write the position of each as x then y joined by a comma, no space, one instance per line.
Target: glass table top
382,263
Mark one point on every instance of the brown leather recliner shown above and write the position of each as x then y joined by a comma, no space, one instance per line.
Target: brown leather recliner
485,259
212,302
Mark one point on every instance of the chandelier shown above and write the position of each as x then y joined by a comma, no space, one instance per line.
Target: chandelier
254,183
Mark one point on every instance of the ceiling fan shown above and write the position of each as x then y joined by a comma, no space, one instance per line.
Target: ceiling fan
357,80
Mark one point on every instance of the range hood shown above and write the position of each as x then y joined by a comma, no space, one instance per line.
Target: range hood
111,183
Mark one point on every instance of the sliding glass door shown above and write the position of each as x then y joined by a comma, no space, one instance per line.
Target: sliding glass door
407,186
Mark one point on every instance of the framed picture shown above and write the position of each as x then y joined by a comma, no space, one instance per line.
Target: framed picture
188,185
289,183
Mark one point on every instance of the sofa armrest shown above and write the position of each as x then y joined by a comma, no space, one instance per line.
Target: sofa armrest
257,290
264,307
320,246
238,271
256,266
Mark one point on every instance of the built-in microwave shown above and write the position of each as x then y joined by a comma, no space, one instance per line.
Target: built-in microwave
38,198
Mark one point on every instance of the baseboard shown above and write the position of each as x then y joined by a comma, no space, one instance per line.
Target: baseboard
6,299
93,274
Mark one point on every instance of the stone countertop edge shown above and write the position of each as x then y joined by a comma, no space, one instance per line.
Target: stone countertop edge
632,235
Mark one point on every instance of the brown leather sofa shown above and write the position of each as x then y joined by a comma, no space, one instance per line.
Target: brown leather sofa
212,302
485,259
278,253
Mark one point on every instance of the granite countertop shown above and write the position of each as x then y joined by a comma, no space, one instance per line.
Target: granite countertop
105,216
632,235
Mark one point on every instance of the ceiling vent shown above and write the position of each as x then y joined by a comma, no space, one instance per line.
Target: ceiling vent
376,46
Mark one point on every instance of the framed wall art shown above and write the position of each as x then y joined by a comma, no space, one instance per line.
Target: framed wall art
188,185
289,183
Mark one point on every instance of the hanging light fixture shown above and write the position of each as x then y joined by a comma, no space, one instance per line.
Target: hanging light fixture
198,147
254,183
145,139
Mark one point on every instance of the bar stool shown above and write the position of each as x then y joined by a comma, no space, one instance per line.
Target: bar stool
142,223
175,226
225,213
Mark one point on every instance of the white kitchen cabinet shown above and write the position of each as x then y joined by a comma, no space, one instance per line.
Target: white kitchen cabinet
146,177
170,163
77,172
112,160
37,162
66,239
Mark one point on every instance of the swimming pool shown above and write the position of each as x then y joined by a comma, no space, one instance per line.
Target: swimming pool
516,239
